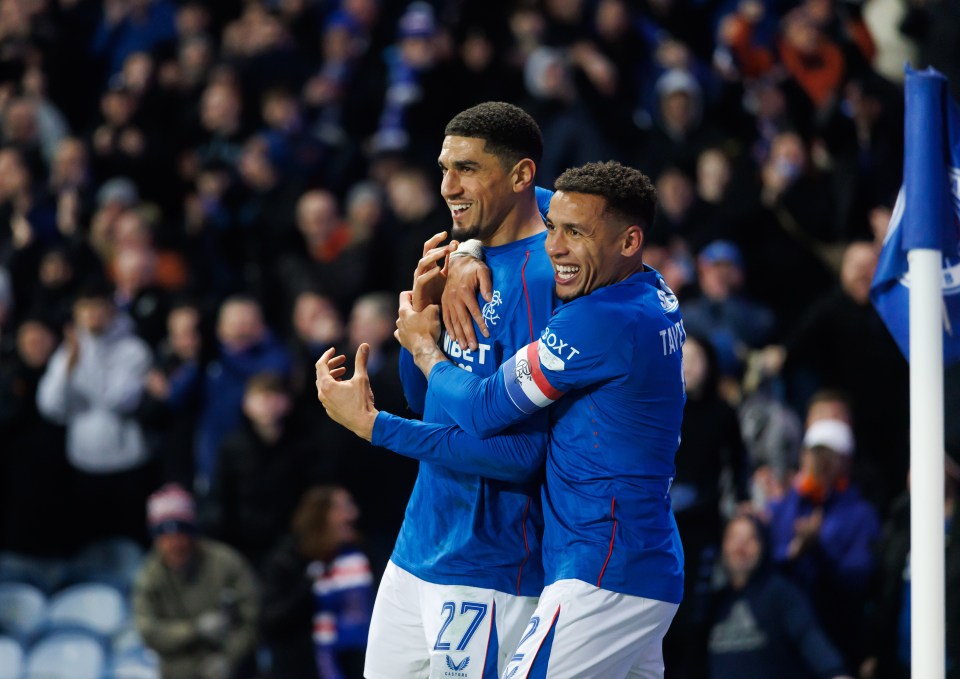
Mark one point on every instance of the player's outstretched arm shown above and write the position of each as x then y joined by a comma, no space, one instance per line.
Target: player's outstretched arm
515,454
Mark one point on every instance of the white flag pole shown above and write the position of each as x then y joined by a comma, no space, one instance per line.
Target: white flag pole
927,612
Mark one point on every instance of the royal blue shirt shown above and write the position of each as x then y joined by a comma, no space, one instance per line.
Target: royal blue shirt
475,518
612,360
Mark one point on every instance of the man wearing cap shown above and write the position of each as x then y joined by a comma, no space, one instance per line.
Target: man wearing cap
732,322
194,601
823,533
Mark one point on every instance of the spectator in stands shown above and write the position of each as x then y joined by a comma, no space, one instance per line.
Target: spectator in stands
786,236
35,478
262,469
93,385
318,584
839,344
194,601
317,326
171,433
823,534
325,255
681,132
761,626
246,347
734,323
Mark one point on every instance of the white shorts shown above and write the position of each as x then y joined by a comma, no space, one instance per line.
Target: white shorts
581,632
421,630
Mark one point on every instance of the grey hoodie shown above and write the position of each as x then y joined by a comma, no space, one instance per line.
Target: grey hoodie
96,400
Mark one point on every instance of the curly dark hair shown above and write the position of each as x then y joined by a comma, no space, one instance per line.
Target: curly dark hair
510,133
629,193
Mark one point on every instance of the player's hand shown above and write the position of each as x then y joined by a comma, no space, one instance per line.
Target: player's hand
465,275
429,277
417,329
348,402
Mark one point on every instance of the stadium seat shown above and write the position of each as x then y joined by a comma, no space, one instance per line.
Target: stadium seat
11,658
66,655
116,561
136,663
97,607
23,608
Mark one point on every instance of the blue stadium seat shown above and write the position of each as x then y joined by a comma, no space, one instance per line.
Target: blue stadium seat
11,658
66,655
136,663
97,607
116,561
23,608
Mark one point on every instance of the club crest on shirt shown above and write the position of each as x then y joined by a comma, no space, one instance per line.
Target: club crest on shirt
523,371
490,314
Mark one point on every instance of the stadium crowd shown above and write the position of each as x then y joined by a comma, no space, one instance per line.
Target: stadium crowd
199,198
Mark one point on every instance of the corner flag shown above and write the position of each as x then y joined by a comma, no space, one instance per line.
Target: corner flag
927,211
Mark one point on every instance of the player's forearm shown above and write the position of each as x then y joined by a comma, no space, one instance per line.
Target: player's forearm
426,354
480,406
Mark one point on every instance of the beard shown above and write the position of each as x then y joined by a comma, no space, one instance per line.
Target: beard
462,233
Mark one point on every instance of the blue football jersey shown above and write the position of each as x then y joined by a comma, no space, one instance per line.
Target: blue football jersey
612,363
472,520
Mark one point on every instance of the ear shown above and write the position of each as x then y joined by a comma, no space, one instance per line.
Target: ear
631,241
523,175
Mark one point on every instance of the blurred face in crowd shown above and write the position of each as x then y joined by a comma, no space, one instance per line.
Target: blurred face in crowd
823,466
35,343
612,20
134,269
741,550
674,193
183,332
316,320
409,195
856,271
677,109
220,108
369,323
20,122
694,365
718,279
240,325
13,175
828,410
55,270
176,549
69,167
265,407
117,107
94,314
584,244
318,215
477,188
341,521
801,32
713,175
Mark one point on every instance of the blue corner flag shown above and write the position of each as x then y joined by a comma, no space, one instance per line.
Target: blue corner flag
927,212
